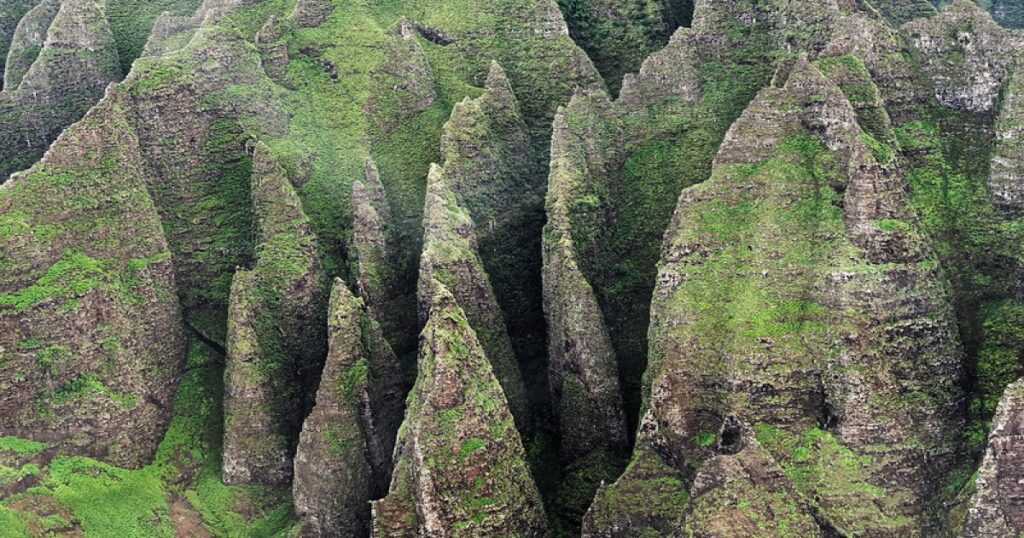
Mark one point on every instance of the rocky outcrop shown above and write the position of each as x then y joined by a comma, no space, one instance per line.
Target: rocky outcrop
10,15
491,167
343,460
27,41
744,492
583,373
996,508
669,73
450,258
404,83
1006,177
275,340
818,289
77,60
965,55
91,341
460,468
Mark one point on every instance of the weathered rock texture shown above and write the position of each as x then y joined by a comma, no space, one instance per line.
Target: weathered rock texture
10,16
275,340
91,344
460,468
1006,177
450,257
794,301
27,41
343,459
965,55
68,74
997,509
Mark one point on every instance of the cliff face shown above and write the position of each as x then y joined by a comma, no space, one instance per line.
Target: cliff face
790,368
92,339
705,268
460,465
56,75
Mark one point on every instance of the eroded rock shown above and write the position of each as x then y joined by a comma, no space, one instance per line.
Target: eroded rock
460,468
343,460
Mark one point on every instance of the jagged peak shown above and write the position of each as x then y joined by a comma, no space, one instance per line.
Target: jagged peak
458,445
668,73
276,204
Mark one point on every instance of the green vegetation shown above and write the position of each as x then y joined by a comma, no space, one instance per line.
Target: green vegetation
132,20
109,501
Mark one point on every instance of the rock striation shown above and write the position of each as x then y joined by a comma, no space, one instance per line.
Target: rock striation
460,465
343,460
91,340
787,367
59,78
275,336
995,509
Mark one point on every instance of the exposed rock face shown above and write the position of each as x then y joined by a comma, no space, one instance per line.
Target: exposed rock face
275,339
450,258
965,54
91,342
1006,178
343,459
28,39
460,468
77,60
583,374
10,15
996,509
769,370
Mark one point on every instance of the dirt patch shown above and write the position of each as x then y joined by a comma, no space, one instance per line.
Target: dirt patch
187,522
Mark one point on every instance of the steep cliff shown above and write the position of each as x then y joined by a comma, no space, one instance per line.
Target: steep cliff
59,77
343,460
92,344
817,325
460,465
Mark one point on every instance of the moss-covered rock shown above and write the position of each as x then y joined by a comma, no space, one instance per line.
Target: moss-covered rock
450,257
343,460
10,16
68,72
27,41
275,341
788,356
460,468
965,55
995,509
92,343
